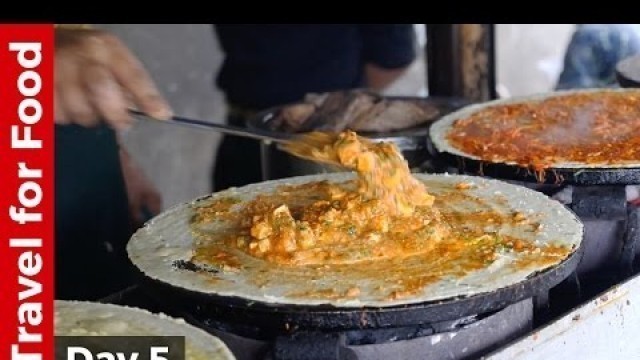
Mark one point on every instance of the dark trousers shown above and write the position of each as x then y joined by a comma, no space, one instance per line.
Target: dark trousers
237,160
92,216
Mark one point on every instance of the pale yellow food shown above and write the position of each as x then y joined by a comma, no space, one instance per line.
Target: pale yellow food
81,318
501,234
389,214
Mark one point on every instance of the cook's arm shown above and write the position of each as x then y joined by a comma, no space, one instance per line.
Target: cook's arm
379,78
97,77
389,49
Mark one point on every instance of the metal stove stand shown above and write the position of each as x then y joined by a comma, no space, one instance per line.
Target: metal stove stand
465,338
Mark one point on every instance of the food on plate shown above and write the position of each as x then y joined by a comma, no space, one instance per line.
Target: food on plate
80,318
324,223
485,235
386,214
383,173
352,110
565,130
331,223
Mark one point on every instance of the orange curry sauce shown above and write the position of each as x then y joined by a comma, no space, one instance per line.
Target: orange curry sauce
379,226
328,223
590,128
383,174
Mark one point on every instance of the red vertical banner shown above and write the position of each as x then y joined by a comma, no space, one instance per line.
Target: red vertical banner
26,204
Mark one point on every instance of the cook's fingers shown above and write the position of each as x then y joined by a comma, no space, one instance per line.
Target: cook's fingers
60,115
106,95
76,104
132,75
71,103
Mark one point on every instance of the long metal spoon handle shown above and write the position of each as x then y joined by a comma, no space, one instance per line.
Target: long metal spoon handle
256,134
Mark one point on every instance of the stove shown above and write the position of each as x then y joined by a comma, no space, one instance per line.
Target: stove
465,338
611,250
610,255
611,242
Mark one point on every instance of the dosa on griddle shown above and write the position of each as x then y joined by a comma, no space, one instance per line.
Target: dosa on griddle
492,209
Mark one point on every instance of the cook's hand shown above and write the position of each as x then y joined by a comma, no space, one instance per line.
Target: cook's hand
97,77
143,195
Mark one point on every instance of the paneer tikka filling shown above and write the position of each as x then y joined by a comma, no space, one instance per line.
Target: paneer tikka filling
363,226
336,223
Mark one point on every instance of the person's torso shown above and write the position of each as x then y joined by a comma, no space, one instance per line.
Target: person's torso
268,65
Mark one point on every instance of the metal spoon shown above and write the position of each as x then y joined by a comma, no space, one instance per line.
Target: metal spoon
256,134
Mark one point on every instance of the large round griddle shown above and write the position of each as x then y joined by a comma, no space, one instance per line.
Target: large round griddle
166,239
281,319
156,247
81,318
568,173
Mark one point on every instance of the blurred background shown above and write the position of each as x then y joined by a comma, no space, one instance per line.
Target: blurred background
184,58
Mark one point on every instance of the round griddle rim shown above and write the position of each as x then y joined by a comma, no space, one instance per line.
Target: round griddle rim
325,317
552,175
